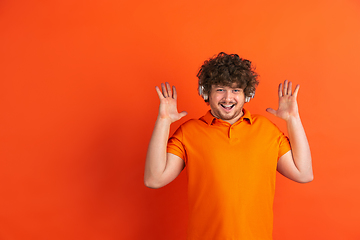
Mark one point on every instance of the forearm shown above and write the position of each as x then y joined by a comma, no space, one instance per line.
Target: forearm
300,148
156,155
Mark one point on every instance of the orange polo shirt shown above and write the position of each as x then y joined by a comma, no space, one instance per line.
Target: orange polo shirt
231,173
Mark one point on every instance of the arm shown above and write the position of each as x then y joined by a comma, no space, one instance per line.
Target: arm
162,167
295,164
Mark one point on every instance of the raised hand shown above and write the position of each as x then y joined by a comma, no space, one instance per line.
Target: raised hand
168,103
287,102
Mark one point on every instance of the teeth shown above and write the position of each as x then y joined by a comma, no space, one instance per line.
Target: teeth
227,105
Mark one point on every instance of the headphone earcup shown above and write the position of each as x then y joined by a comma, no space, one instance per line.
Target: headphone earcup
205,96
252,95
202,94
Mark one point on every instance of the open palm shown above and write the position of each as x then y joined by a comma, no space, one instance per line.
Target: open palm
287,102
168,103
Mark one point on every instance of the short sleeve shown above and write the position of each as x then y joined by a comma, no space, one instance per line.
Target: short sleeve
175,144
284,145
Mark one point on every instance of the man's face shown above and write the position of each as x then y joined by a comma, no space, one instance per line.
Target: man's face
227,103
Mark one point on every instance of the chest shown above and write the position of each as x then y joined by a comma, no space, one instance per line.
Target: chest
220,150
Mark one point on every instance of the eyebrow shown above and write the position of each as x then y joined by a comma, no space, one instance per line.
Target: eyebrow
219,86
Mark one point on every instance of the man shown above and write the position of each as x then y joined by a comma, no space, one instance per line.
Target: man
231,155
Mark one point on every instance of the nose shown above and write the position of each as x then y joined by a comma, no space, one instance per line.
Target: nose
228,96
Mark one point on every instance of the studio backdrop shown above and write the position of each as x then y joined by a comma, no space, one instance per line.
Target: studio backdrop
78,105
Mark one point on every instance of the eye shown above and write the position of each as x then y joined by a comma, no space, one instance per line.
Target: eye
237,90
219,90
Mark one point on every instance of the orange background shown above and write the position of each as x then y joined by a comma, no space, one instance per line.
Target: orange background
78,104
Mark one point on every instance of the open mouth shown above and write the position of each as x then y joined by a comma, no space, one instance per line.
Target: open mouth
227,107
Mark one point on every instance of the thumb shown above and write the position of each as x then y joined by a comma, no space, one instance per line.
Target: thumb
183,114
272,111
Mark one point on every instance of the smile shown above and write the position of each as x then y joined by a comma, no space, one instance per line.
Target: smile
227,107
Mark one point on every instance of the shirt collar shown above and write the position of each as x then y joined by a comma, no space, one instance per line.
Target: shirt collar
210,119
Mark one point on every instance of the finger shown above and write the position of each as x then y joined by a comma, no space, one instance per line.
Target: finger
296,90
272,111
280,90
182,114
169,93
159,93
174,93
289,91
164,90
285,87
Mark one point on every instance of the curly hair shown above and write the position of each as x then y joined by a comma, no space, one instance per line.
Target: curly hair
225,70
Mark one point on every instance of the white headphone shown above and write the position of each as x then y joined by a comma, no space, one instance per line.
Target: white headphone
206,97
252,95
202,93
